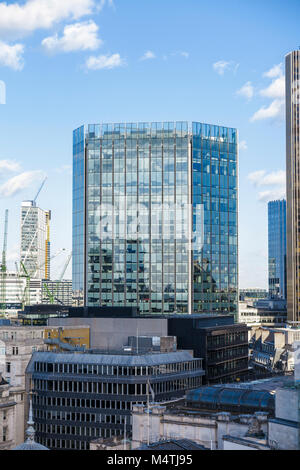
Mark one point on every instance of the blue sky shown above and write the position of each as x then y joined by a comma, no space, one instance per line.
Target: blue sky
80,61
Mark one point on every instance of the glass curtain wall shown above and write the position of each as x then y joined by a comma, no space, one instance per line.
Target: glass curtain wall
142,179
78,212
214,175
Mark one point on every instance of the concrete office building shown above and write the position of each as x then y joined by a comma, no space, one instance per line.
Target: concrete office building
277,249
81,397
292,98
264,312
252,294
155,216
35,240
17,293
222,344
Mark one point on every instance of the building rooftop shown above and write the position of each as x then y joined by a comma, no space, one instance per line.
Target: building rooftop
270,384
229,396
173,444
141,359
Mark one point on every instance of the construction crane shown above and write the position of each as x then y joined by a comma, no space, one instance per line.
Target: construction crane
24,220
25,297
52,295
3,267
34,200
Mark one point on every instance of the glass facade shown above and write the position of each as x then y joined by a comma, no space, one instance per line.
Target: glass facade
158,226
214,176
277,248
78,222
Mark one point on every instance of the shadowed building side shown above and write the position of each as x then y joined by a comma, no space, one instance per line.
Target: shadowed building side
292,62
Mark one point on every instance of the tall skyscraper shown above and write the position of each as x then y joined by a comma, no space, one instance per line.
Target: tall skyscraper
35,240
277,248
155,216
292,77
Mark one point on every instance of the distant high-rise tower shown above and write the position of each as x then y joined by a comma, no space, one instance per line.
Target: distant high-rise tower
292,81
277,248
35,240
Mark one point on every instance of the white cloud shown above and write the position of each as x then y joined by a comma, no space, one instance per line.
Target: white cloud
274,111
12,55
77,36
19,20
256,176
262,178
246,91
243,145
276,180
148,55
8,166
18,183
275,90
104,62
272,195
222,66
275,71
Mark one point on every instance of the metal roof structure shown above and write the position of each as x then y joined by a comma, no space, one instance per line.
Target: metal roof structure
138,360
230,396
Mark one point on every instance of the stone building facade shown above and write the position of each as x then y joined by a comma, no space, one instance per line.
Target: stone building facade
19,344
8,405
204,428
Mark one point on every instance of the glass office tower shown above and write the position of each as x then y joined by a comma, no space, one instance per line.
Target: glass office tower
155,216
277,248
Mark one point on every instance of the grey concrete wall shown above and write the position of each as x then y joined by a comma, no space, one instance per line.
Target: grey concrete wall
285,437
112,333
287,404
229,445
